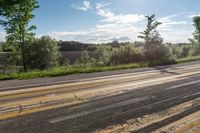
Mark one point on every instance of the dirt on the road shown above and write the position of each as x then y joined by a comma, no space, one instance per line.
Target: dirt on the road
188,124
167,101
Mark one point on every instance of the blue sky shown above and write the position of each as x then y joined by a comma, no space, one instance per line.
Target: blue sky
106,20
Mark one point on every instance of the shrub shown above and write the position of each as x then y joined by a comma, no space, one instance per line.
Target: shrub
85,59
42,53
195,50
126,54
103,54
159,53
182,51
185,51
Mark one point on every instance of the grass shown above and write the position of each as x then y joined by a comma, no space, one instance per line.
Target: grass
188,59
75,69
68,70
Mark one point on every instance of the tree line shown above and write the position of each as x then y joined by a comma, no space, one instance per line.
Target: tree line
44,52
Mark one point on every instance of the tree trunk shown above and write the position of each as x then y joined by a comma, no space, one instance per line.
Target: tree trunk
23,58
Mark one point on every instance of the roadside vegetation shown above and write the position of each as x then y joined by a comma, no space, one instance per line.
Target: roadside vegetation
31,57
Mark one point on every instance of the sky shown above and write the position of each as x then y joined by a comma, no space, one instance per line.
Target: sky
97,21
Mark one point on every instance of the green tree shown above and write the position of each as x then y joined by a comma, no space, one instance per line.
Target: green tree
196,36
154,49
5,47
42,53
150,32
16,15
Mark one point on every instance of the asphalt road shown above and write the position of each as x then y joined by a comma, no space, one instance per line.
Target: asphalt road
126,97
20,84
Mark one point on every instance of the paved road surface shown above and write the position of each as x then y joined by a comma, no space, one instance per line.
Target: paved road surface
150,101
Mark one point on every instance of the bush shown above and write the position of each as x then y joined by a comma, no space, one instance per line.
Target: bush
126,54
185,51
159,53
195,50
181,51
103,54
85,59
156,51
42,53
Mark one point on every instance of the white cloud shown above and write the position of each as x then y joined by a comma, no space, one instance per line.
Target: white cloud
102,5
175,28
101,33
84,7
113,26
176,36
170,21
118,26
193,15
119,18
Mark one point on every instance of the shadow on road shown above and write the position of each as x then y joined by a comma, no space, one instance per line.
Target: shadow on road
167,121
121,115
163,70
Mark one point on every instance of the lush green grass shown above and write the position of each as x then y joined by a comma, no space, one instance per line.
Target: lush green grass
188,59
67,70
